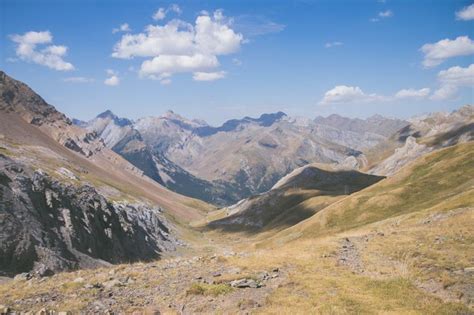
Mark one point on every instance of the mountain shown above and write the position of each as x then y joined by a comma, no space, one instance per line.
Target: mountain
360,134
120,135
242,157
68,202
423,135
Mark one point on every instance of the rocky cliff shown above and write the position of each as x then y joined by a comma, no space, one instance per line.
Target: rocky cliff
48,225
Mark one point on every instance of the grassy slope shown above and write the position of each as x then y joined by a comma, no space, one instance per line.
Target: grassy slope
295,200
446,175
419,226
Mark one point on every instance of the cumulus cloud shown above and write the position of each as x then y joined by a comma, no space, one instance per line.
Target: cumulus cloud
113,79
413,93
333,44
343,94
466,13
208,76
51,56
78,80
451,80
437,53
161,13
181,47
123,28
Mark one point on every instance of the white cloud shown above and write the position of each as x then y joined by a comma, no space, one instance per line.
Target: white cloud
180,47
175,8
161,13
386,14
438,52
123,28
413,93
51,56
445,92
168,64
458,76
208,76
382,15
113,79
466,14
343,94
451,80
333,44
78,80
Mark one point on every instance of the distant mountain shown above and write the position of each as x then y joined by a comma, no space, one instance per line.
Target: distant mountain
376,124
423,135
67,201
221,164
265,120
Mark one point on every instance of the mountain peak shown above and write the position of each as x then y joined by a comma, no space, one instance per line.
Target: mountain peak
108,114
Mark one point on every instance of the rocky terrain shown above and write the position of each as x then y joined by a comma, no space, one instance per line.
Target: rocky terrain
50,226
423,135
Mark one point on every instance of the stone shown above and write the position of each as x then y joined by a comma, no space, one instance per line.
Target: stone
22,276
151,310
244,283
4,309
44,271
78,280
469,270
112,283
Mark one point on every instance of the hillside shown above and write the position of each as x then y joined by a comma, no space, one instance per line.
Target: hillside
296,197
68,201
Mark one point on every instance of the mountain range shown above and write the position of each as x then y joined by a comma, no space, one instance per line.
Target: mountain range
240,158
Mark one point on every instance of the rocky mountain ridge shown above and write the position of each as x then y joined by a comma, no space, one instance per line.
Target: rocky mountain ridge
241,157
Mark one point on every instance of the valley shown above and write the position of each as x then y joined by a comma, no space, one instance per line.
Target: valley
93,218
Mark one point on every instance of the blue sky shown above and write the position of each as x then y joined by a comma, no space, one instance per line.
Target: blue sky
228,59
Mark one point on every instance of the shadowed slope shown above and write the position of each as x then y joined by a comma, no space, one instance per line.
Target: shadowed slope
296,198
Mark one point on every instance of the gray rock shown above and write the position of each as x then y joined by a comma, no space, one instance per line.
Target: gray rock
112,283
23,276
245,283
48,225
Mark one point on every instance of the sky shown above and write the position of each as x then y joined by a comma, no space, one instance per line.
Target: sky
218,60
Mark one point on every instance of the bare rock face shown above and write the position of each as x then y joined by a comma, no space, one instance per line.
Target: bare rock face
48,226
401,157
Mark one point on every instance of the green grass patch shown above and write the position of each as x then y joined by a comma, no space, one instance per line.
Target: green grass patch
209,289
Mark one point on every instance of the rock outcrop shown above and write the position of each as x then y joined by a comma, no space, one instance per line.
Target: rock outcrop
47,225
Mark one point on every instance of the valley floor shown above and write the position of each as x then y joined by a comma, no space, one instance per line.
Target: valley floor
417,263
